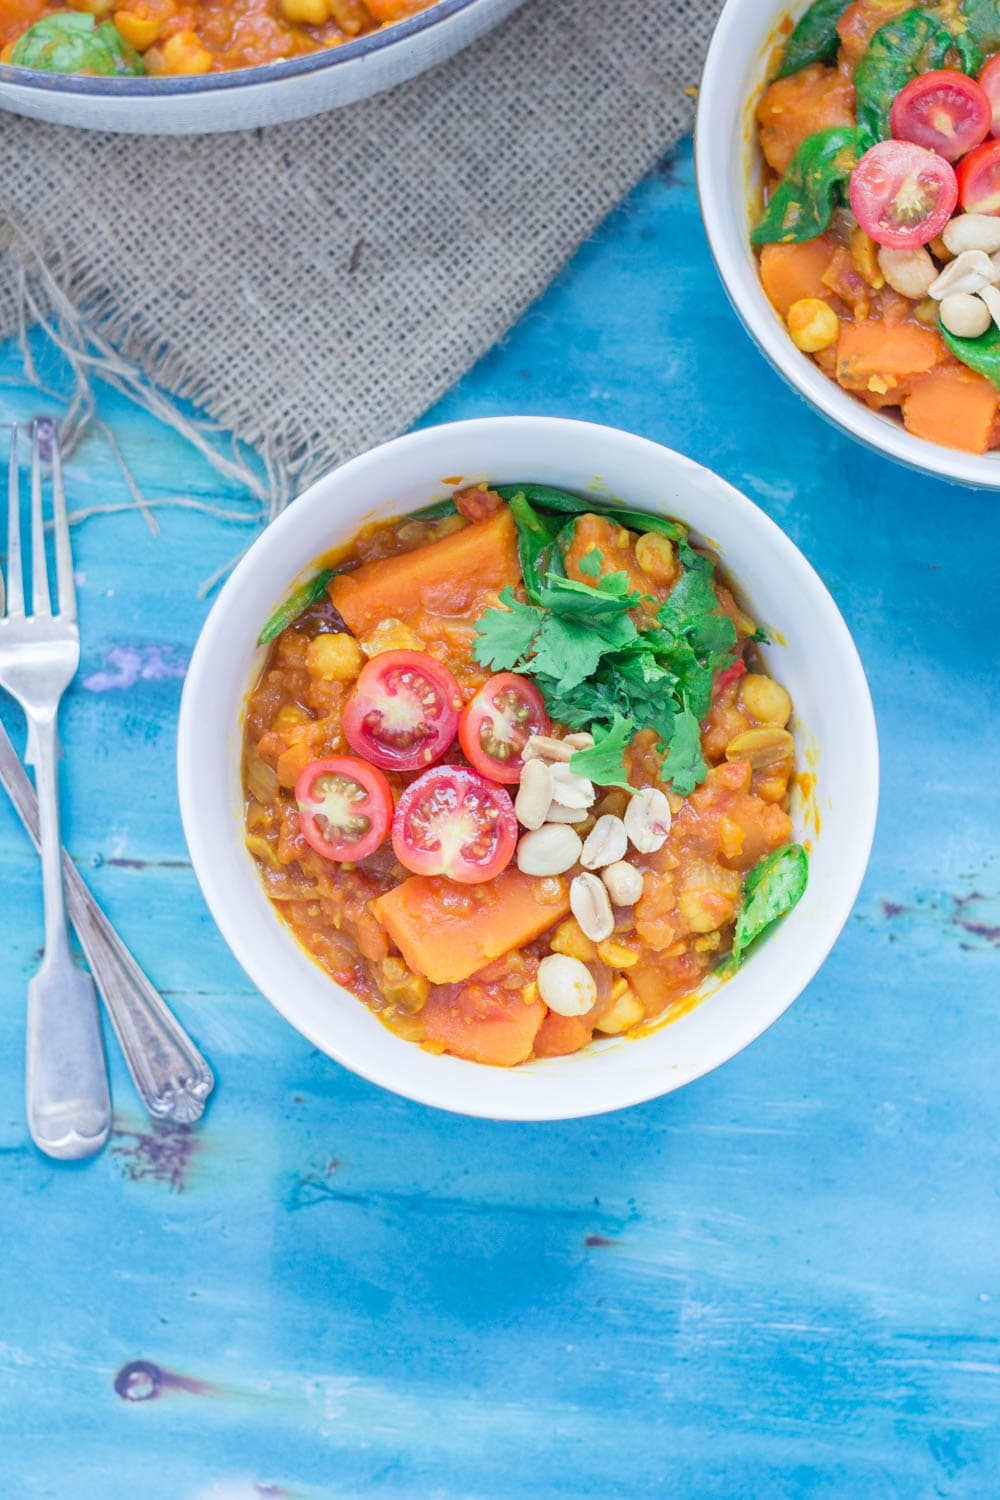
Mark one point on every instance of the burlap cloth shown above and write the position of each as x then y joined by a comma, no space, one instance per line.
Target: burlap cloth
315,286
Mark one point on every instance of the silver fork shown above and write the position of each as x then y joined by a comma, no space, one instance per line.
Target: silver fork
66,1085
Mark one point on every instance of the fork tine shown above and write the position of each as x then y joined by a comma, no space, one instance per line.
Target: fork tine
15,574
64,551
41,603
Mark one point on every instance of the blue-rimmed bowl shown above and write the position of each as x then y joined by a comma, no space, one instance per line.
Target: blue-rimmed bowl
265,95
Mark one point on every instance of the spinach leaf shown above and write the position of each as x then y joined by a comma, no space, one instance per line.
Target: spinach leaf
815,37
310,593
981,354
801,204
535,535
771,889
982,17
435,512
903,48
72,42
545,497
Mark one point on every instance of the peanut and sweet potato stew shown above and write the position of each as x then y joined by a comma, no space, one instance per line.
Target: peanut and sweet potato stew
129,38
514,775
879,239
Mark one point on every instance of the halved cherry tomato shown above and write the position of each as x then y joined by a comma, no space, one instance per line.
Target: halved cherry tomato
979,179
403,712
454,822
497,721
903,195
989,82
944,111
345,807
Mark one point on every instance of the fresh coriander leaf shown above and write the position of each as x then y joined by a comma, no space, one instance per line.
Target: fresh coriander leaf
296,604
504,636
684,766
611,594
590,563
567,651
605,761
771,889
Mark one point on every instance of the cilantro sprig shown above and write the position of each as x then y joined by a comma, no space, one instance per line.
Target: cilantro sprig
596,668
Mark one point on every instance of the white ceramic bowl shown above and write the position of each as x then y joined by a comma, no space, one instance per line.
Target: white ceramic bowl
817,661
728,167
246,97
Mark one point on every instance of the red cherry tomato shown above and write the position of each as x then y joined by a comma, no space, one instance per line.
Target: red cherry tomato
454,822
497,721
989,82
403,712
943,111
979,179
903,195
345,807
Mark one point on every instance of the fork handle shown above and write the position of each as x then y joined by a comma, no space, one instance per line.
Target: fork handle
66,1079
171,1076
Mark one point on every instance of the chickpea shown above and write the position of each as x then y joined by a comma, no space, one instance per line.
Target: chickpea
616,955
625,1012
305,12
183,53
813,325
655,555
334,658
764,699
139,31
570,939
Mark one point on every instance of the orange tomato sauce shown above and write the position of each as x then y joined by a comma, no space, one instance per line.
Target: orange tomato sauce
356,920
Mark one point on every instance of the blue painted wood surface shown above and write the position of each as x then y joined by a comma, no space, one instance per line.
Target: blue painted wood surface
780,1282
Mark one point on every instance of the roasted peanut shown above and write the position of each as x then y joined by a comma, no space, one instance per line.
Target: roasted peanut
761,747
570,790
551,850
534,795
623,882
968,272
970,232
908,272
591,906
965,315
566,985
606,843
647,819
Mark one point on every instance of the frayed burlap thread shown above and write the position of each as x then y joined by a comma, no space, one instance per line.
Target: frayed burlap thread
316,286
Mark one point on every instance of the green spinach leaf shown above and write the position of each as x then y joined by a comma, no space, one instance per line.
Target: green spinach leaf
815,37
310,593
981,354
982,17
913,43
544,497
801,204
770,890
72,42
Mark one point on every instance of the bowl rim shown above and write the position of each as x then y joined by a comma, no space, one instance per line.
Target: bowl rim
639,1084
727,232
361,47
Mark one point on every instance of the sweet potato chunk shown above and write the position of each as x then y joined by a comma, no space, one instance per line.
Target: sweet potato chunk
448,932
954,406
875,356
482,1026
459,574
790,272
793,108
